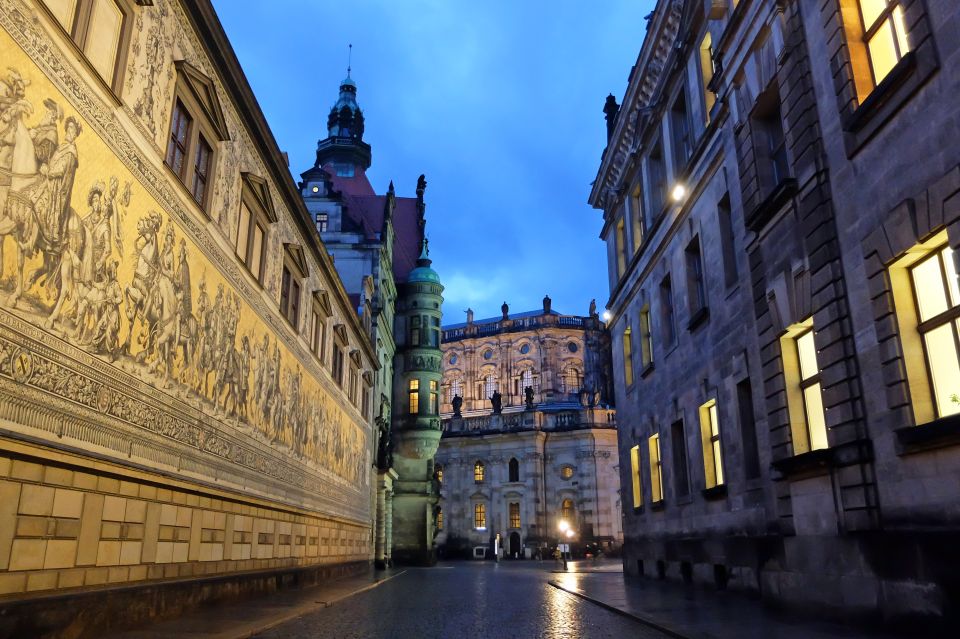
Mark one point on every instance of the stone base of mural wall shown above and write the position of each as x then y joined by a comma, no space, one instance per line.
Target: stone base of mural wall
79,615
412,541
87,544
888,580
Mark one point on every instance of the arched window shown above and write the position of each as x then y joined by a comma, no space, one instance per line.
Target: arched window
455,388
514,469
479,516
490,386
478,472
526,379
571,380
566,510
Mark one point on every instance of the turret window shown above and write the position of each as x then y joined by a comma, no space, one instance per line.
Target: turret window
434,393
413,392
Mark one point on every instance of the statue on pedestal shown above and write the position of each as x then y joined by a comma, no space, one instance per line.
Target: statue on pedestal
457,405
528,397
497,401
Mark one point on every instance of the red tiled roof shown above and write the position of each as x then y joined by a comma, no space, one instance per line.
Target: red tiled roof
365,207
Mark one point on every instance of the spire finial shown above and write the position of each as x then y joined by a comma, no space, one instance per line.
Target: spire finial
349,58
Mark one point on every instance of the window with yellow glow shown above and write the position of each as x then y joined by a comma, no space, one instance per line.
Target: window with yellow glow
479,516
567,511
937,298
566,472
414,393
439,520
621,248
656,469
627,357
706,74
434,395
440,474
478,472
878,40
710,436
514,515
808,425
635,476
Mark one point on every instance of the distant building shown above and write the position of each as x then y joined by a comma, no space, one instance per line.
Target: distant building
529,434
184,381
779,196
375,241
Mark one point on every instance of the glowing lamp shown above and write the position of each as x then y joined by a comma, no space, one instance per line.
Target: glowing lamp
563,526
678,193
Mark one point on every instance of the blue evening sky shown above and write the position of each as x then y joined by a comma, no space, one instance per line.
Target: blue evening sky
498,102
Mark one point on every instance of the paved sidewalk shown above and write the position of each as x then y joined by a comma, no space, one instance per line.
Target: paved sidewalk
246,617
689,612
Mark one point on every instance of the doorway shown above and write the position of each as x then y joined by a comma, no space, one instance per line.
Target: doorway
515,549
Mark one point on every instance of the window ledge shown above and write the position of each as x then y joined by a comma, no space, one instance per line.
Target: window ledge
768,208
658,505
940,433
715,492
647,370
698,318
888,97
809,464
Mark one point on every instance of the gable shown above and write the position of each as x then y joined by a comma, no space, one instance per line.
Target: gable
259,190
205,93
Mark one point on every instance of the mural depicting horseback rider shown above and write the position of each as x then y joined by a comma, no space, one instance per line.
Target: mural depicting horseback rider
145,272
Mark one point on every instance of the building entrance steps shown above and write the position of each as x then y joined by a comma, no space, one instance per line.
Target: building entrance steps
694,612
243,618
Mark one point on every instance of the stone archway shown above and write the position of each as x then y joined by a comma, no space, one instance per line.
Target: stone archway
515,549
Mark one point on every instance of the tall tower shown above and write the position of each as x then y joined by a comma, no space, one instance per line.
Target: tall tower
416,417
344,145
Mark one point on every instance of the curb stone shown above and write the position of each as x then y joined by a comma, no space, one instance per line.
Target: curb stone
673,632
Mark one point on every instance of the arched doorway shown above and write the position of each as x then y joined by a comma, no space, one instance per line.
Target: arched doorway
515,550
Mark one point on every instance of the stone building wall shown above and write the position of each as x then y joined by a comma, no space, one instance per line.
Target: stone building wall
160,417
816,194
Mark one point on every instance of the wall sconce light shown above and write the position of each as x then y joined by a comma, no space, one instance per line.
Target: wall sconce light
678,193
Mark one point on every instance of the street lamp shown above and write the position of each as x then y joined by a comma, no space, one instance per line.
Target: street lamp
565,531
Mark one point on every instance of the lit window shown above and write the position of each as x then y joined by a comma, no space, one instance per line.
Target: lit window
646,338
710,436
884,35
99,27
567,511
937,298
627,357
514,515
439,520
323,220
478,472
440,474
656,469
706,74
490,386
413,391
479,516
635,475
566,472
434,393
621,248
802,377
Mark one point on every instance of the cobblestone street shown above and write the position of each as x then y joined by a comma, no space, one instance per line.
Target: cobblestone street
465,600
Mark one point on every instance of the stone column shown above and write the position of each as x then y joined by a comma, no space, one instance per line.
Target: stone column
388,528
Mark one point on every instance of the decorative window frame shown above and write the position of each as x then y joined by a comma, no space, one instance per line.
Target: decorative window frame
862,120
198,95
294,261
255,196
321,312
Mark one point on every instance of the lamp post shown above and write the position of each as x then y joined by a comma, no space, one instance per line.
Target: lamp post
565,532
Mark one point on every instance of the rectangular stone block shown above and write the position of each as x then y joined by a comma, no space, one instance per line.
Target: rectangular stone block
85,481
9,502
108,553
70,578
36,500
61,553
168,515
11,583
27,554
58,476
113,508
89,529
164,554
27,471
136,511
95,577
41,581
67,503
130,552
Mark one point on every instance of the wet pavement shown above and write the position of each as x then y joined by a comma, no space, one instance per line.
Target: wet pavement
466,600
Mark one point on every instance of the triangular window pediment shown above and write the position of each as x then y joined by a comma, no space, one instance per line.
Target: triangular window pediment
205,93
260,191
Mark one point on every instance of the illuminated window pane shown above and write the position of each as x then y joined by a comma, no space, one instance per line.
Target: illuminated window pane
816,422
944,368
627,357
478,472
479,516
635,474
514,515
883,51
714,427
871,10
718,462
807,353
656,472
901,28
928,283
103,37
950,268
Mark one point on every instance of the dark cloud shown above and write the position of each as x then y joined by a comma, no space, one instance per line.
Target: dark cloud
499,103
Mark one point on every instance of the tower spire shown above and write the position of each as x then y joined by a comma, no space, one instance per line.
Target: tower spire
349,58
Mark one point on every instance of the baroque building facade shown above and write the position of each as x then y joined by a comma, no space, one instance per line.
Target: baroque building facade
375,241
184,382
529,435
779,210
